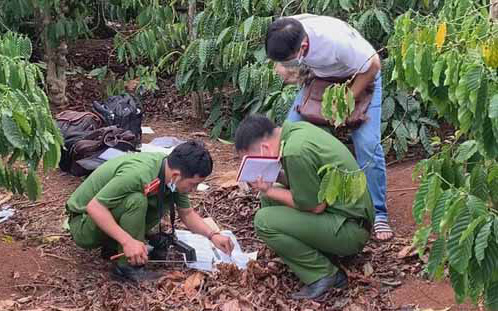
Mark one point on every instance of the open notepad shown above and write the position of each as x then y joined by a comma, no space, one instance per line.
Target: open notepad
253,167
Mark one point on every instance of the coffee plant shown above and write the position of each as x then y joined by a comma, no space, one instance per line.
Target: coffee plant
448,59
29,134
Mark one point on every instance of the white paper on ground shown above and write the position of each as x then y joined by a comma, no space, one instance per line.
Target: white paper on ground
111,153
147,130
5,213
154,148
202,187
208,256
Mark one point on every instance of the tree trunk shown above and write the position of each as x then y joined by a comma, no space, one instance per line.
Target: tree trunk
493,10
197,97
55,58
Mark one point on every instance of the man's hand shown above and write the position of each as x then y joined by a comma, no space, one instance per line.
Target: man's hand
135,251
318,209
223,243
260,185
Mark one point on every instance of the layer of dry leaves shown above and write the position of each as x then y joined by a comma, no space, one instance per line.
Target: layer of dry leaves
80,280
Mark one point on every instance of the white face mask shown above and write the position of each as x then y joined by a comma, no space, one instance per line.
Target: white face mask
172,186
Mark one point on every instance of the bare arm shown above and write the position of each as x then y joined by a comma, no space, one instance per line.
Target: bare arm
363,80
134,250
195,224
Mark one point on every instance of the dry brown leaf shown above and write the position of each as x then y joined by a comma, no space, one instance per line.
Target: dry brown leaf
407,251
131,85
55,308
24,299
368,269
354,307
192,283
231,305
245,304
15,275
200,134
5,197
6,304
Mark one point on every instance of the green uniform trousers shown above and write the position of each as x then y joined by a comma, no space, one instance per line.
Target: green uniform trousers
304,240
132,216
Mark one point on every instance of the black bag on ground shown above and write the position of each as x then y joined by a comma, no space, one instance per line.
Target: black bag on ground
84,154
123,111
74,125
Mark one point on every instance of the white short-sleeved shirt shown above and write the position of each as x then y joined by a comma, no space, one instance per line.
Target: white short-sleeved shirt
336,49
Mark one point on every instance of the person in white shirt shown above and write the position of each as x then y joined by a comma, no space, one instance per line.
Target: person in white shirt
330,47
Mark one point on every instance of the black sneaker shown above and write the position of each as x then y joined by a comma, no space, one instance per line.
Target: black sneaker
320,287
134,274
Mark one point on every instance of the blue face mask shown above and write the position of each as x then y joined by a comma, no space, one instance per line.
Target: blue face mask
296,62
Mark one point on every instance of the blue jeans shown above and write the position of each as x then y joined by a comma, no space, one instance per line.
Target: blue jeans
367,146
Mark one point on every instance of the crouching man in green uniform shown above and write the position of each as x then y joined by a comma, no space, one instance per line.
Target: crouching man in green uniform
112,210
301,230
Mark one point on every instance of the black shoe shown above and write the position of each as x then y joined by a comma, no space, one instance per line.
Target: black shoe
106,253
320,287
135,274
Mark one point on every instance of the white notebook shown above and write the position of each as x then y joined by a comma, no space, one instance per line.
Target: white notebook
253,167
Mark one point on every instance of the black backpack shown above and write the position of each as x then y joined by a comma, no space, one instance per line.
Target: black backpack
123,111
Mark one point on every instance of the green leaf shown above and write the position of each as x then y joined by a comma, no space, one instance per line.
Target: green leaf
323,186
247,26
436,256
334,187
33,186
481,242
438,69
493,107
12,132
459,283
420,239
491,296
425,141
477,206
459,253
388,108
433,192
466,151
51,157
443,202
419,207
244,75
472,78
384,20
469,232
22,122
346,4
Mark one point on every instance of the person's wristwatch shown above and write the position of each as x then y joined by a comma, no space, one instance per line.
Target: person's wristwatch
212,234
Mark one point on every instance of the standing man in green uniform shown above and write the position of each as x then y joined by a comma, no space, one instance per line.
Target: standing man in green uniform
301,230
111,210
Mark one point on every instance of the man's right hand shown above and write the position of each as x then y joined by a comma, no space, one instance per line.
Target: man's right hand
135,251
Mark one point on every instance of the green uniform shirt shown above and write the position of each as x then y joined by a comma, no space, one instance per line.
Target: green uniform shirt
114,180
306,148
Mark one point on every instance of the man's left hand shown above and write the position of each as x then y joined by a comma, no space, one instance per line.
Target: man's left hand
260,185
223,243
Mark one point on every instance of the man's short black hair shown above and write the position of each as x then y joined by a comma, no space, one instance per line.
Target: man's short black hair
191,159
284,38
251,129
